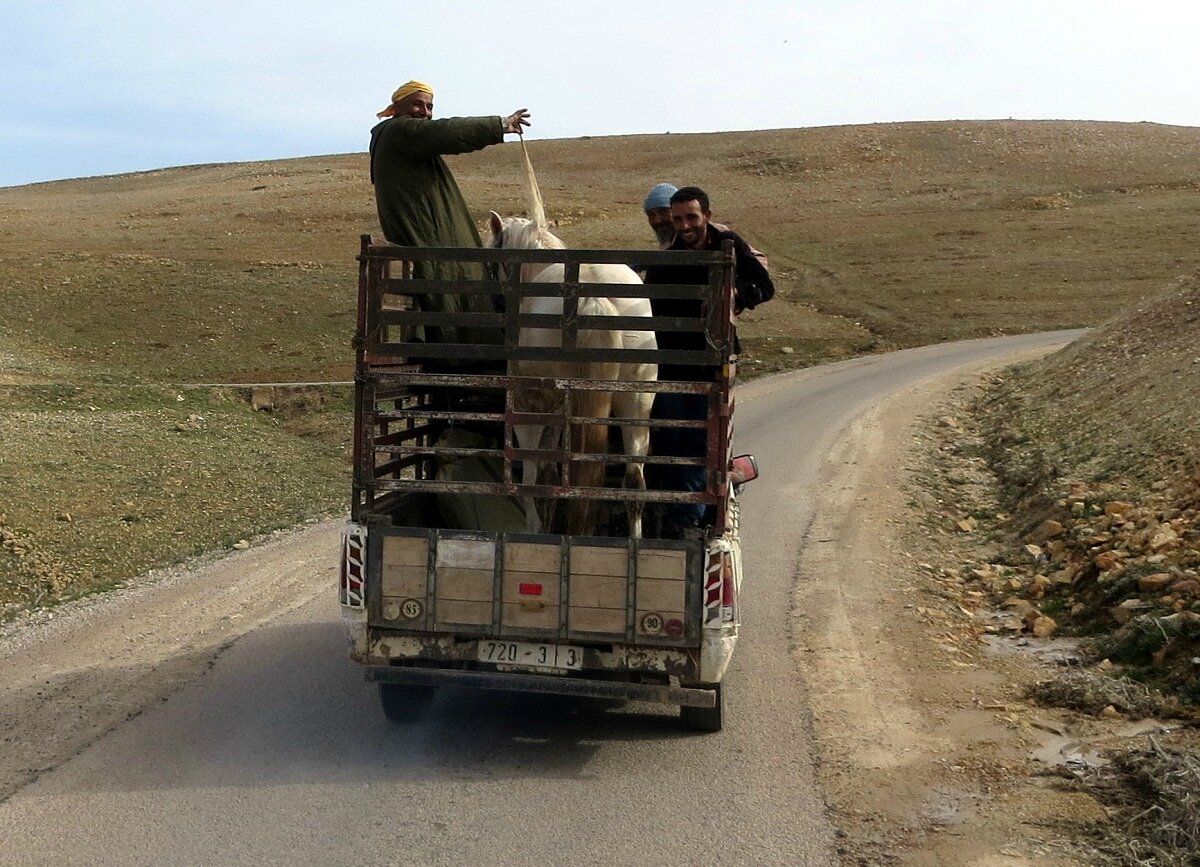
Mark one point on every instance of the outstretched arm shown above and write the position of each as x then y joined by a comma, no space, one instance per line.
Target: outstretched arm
516,121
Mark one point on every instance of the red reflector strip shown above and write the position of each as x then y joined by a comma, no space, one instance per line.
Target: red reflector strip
529,589
727,587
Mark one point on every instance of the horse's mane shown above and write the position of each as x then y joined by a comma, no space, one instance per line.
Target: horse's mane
546,238
525,234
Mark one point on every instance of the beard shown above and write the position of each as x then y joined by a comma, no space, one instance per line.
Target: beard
665,234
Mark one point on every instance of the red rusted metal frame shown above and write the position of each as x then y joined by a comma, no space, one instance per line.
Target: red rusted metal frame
377,367
721,415
361,489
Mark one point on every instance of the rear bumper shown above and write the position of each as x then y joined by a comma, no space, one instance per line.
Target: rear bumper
689,696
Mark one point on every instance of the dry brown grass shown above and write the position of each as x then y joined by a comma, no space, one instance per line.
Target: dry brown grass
1153,793
1091,692
879,236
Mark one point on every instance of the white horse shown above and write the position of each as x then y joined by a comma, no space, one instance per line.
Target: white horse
519,233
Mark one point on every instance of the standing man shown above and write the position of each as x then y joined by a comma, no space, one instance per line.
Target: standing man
418,200
691,219
420,205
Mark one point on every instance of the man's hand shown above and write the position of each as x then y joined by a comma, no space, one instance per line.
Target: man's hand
516,121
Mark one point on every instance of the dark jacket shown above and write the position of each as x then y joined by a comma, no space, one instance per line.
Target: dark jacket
752,286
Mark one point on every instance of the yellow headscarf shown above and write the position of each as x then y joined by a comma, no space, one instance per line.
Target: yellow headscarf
406,89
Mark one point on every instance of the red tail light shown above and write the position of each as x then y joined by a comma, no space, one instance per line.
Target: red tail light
728,589
529,589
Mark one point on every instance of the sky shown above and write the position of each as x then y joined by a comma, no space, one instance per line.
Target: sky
94,87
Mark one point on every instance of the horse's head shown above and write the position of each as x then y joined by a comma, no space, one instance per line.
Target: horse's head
518,233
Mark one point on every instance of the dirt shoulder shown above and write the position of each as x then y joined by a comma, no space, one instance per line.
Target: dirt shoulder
928,748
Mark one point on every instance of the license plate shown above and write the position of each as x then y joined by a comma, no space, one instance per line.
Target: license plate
534,655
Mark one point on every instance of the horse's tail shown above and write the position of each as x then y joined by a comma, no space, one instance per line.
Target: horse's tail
591,438
587,439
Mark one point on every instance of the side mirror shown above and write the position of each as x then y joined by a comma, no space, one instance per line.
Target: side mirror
742,469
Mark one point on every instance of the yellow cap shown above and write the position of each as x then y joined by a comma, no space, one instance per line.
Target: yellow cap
406,89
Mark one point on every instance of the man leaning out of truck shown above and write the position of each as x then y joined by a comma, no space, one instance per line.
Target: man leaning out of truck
691,219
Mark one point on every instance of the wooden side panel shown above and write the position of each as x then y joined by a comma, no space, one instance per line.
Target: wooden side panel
532,610
662,563
599,590
466,554
531,557
404,569
654,594
465,581
661,590
405,551
470,585
611,620
548,583
466,613
537,566
529,615
599,561
404,581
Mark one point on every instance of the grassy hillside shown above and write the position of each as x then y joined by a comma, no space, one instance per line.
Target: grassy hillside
117,290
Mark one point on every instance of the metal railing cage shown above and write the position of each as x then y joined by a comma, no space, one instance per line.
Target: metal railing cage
439,348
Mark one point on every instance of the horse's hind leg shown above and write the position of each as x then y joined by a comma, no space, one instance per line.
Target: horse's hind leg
635,478
587,439
549,474
529,436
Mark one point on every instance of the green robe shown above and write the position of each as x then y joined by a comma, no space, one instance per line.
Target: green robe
420,205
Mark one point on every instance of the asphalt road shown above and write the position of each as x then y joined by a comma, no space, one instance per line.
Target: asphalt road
274,751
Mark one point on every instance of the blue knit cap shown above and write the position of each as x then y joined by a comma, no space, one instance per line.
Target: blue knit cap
659,196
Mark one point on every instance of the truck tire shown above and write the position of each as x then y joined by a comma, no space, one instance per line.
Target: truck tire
704,719
404,702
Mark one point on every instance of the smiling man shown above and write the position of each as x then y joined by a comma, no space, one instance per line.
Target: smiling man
418,200
657,207
691,218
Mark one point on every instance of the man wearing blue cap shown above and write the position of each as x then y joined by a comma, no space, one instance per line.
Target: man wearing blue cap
657,206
